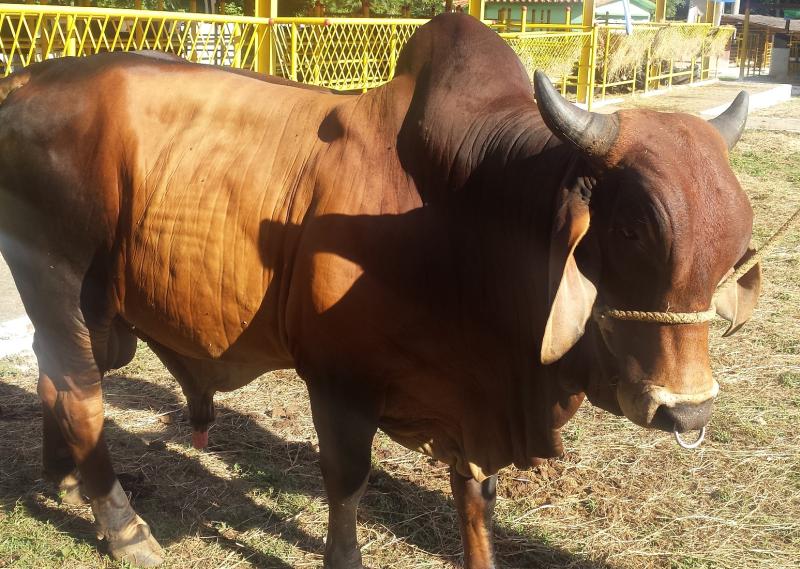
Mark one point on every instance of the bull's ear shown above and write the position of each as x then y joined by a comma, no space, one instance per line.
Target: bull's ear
571,294
735,303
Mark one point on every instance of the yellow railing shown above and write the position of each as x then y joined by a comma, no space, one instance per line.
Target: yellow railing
757,52
656,55
340,53
30,33
354,53
555,50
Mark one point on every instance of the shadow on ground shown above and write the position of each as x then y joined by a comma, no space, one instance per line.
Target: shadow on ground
180,497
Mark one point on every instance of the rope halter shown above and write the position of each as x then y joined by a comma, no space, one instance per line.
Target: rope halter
701,316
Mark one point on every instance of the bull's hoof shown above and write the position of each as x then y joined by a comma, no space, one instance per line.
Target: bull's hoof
136,546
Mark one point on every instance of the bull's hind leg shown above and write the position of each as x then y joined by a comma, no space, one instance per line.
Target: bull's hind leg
58,466
69,388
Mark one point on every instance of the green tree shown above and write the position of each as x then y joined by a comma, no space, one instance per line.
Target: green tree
677,9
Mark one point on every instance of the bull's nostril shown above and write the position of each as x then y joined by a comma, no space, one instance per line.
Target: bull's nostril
683,417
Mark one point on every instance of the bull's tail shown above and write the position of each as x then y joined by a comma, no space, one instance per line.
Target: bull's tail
12,83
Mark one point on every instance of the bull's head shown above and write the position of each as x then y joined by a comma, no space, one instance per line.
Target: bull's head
668,222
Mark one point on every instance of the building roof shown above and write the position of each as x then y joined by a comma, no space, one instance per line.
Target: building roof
646,5
771,23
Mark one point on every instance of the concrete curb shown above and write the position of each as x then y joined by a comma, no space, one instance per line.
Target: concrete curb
778,94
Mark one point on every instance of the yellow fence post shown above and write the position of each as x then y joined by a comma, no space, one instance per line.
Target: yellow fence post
293,53
585,71
568,15
237,45
592,66
661,11
137,26
523,19
743,47
606,53
392,51
476,9
70,41
265,62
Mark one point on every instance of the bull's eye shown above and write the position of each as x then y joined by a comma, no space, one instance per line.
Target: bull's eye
627,233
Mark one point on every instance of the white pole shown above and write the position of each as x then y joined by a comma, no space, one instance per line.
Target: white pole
626,7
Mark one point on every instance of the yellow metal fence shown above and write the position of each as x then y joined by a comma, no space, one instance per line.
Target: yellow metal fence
357,53
757,52
340,53
31,33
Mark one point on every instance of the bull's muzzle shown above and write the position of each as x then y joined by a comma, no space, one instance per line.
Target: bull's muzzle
656,407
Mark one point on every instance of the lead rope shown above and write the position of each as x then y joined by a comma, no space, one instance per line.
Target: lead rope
703,315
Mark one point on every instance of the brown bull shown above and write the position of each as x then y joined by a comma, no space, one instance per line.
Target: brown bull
421,254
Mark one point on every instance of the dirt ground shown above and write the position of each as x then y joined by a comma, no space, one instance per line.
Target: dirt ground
691,99
620,498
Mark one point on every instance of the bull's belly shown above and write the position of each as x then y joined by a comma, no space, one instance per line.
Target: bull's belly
202,299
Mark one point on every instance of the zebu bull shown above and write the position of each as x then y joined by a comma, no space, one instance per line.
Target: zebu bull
422,254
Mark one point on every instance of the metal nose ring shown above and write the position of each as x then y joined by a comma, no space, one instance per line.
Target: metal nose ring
695,444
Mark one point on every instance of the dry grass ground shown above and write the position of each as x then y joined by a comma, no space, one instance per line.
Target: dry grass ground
620,498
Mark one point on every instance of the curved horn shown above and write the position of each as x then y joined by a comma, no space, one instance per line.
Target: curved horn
591,133
730,123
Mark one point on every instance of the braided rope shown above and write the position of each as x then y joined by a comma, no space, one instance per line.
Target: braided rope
662,317
710,313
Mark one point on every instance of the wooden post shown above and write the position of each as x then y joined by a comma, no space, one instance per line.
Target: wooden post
365,8
160,5
584,67
220,6
405,11
193,6
319,9
476,9
448,6
523,18
248,7
265,62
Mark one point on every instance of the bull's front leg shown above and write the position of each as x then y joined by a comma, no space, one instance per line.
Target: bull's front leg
73,403
346,423
475,504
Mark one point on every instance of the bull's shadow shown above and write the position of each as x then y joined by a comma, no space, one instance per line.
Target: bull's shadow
180,497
